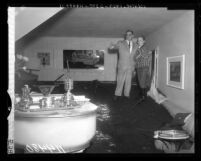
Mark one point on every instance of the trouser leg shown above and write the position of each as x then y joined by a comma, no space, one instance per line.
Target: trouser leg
128,81
144,92
143,76
147,80
143,80
139,77
121,76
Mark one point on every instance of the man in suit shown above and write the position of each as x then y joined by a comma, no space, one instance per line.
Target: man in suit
125,67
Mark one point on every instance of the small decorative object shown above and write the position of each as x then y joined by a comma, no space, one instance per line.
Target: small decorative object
175,71
20,64
43,103
52,101
46,90
26,98
68,84
81,100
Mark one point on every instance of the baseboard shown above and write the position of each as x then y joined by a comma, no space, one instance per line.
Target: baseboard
114,82
102,82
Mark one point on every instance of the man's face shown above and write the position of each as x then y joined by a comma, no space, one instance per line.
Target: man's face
140,41
129,36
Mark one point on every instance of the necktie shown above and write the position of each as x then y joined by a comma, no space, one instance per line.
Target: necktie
129,44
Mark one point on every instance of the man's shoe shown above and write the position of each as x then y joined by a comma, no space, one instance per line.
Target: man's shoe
126,97
115,98
145,92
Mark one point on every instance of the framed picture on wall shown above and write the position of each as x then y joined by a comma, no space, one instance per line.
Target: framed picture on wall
44,58
176,71
83,59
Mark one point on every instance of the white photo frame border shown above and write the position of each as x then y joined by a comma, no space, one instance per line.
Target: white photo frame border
181,61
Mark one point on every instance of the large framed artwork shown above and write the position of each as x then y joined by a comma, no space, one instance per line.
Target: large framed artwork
176,71
83,59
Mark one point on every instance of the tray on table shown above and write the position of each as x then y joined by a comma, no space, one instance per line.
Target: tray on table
173,134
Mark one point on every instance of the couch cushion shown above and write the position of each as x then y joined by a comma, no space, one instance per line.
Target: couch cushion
179,119
189,125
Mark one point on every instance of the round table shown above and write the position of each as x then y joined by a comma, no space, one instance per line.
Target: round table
55,131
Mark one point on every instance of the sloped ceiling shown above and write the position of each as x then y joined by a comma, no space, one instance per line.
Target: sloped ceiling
111,22
28,18
102,22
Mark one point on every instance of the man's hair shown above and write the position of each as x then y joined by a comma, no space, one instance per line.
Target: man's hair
130,31
127,32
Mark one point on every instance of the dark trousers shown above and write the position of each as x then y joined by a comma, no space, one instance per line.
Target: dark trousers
143,76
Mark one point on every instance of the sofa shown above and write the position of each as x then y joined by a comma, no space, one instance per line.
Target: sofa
182,120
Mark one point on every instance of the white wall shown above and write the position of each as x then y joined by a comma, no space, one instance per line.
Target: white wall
173,39
56,45
23,22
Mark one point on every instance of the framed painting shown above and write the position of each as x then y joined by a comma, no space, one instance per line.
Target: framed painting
44,58
83,59
176,71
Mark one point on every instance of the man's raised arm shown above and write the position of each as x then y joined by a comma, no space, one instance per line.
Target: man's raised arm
113,47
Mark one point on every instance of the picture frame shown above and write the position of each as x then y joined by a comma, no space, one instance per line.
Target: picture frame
44,58
83,59
176,71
